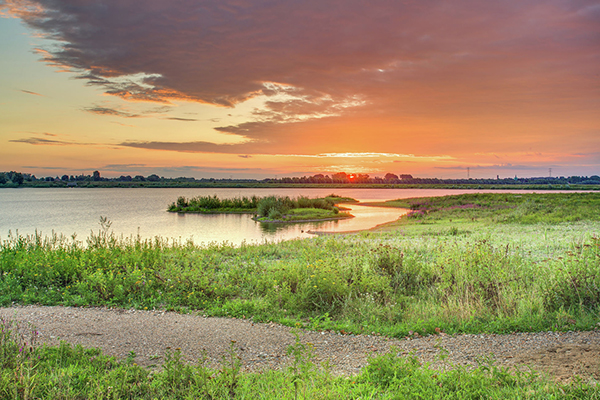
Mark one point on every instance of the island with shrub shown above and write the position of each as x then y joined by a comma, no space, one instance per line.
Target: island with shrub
273,209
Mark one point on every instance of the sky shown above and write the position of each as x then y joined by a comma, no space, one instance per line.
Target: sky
274,88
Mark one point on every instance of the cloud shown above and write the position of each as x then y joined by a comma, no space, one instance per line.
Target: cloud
498,167
121,167
40,141
181,119
188,147
119,112
224,53
33,93
48,142
377,76
110,111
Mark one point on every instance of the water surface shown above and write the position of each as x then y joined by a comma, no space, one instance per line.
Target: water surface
142,211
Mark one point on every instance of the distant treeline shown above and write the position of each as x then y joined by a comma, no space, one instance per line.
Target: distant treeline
16,179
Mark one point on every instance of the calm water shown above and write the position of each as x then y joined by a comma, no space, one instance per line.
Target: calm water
143,211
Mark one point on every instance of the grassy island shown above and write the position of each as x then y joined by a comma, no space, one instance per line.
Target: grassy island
269,208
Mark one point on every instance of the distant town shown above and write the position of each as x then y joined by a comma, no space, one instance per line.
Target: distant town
340,179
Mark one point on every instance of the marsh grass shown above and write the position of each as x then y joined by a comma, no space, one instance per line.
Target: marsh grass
498,278
526,208
446,271
269,208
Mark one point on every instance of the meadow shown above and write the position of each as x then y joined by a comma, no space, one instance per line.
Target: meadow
458,264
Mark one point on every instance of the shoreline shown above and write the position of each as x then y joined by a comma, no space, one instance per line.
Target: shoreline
300,221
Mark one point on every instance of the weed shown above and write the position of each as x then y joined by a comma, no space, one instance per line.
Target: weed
302,368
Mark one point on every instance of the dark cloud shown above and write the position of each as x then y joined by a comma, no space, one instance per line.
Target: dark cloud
121,167
48,142
498,167
40,141
33,93
221,53
189,147
181,119
110,111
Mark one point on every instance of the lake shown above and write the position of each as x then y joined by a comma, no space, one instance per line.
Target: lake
142,211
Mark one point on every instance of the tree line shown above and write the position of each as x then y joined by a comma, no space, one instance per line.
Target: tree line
16,179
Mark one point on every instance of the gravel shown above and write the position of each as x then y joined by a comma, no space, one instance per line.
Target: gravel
263,345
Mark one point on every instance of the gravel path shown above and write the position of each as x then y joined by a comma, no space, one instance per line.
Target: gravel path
150,333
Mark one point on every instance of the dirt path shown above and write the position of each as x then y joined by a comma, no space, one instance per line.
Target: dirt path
151,333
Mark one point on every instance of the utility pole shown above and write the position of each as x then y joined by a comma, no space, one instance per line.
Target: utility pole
468,172
549,172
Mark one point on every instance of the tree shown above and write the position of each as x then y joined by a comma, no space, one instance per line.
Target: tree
96,176
340,177
16,177
362,178
391,177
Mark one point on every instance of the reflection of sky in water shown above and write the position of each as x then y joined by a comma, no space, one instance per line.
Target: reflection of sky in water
143,212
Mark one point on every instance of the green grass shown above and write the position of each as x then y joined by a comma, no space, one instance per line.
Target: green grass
471,263
307,214
28,371
457,269
267,209
549,208
213,204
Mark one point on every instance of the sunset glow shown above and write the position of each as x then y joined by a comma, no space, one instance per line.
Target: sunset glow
255,89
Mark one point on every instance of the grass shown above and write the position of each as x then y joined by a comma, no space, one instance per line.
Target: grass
213,204
28,371
461,264
267,209
527,208
305,214
455,268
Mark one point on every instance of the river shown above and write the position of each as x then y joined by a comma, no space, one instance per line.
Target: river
142,211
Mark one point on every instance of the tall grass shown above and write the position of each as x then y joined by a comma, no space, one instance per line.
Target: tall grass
478,278
212,203
271,207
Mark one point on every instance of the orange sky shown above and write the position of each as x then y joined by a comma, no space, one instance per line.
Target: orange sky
284,88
